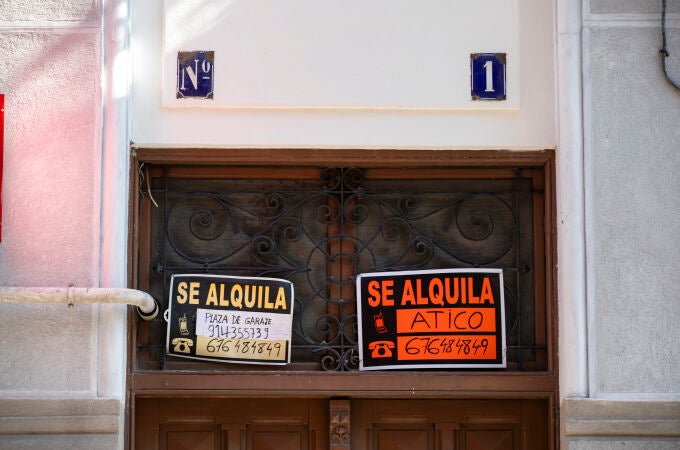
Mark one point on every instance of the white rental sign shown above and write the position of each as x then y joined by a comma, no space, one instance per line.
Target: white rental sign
230,319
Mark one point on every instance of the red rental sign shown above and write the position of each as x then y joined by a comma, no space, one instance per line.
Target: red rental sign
449,318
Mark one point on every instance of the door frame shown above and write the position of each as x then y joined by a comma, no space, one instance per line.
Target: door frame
378,385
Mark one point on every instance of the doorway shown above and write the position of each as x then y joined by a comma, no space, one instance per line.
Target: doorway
368,424
319,218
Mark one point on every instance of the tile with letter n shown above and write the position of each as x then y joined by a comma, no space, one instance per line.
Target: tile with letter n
487,76
195,74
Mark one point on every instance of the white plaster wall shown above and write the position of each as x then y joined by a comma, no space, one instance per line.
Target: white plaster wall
48,442
49,12
51,53
633,208
606,443
61,368
51,193
54,360
630,7
533,126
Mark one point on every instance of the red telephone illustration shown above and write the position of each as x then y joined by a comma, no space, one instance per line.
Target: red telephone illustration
381,349
379,323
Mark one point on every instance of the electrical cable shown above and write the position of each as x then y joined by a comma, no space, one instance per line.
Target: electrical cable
664,50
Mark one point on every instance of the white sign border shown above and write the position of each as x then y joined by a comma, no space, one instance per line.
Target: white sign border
504,348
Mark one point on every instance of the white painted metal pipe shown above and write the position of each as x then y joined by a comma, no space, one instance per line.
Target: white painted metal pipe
146,305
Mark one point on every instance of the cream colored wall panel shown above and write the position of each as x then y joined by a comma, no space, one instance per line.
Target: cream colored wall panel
377,54
531,126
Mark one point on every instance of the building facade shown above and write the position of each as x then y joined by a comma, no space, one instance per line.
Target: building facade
314,141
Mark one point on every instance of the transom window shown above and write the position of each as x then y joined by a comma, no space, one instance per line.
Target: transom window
321,226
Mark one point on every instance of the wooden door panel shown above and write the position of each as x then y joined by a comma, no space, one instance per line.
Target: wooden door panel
491,439
404,437
450,424
190,437
277,437
231,424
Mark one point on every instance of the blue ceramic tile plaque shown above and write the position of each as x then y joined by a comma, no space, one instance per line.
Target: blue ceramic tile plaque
487,76
195,74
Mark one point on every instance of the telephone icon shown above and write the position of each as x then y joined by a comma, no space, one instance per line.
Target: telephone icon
183,325
379,323
381,349
181,345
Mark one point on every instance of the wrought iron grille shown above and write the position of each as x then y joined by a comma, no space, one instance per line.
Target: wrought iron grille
321,232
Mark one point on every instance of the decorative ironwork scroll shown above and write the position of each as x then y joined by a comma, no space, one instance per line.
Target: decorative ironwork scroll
321,233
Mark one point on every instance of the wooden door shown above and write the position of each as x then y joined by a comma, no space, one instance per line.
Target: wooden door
318,218
312,424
